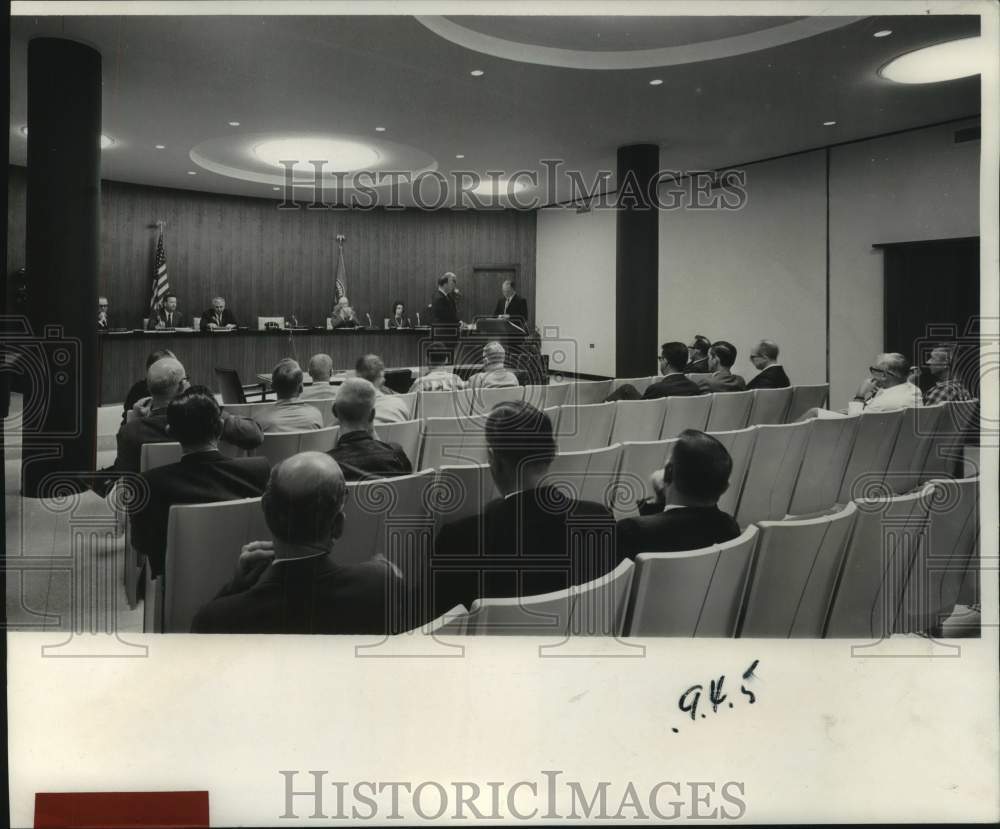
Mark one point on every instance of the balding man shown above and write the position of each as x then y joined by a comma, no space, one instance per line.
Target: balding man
888,386
290,413
146,422
764,357
360,454
218,317
294,584
320,369
389,407
495,375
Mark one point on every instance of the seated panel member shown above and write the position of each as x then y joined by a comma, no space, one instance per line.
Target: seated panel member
167,315
103,317
771,374
684,513
398,319
698,355
202,475
320,370
361,455
294,584
510,305
343,316
290,413
389,406
218,316
721,357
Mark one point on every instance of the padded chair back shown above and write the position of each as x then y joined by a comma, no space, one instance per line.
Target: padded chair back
599,606
588,392
461,491
568,471
280,445
441,404
640,384
955,428
585,427
794,575
740,445
443,442
917,431
805,398
554,412
824,463
545,615
203,546
769,406
556,394
230,386
318,440
152,455
730,410
406,433
535,395
771,474
694,593
887,534
637,420
474,450
250,410
450,623
685,413
870,454
411,400
482,401
640,459
600,482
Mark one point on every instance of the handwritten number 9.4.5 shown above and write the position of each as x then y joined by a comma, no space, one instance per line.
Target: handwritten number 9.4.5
691,698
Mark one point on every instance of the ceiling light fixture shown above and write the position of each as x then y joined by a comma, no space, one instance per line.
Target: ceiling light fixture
477,73
234,123
379,129
883,33
498,187
655,82
942,62
275,188
192,173
338,155
106,140
459,155
829,123
161,146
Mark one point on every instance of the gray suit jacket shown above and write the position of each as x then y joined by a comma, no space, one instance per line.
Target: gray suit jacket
721,380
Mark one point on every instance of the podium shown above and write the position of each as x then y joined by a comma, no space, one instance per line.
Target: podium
500,329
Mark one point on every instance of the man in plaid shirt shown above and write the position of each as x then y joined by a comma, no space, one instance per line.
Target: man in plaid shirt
946,389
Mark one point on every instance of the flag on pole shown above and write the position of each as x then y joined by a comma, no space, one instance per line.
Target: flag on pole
161,284
340,279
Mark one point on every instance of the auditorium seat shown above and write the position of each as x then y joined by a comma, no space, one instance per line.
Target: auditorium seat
771,474
152,455
554,412
251,410
599,483
406,433
203,546
586,392
730,410
740,445
411,399
547,614
568,470
956,427
805,398
233,391
639,383
278,446
459,492
686,413
442,441
873,443
534,395
638,420
585,427
769,406
440,404
917,430
694,593
557,394
599,606
474,449
824,462
794,574
887,533
482,401
450,623
640,459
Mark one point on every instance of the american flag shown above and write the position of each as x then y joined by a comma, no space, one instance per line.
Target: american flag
161,284
341,276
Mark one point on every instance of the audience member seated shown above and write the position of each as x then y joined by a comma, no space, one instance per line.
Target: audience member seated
202,475
495,375
293,584
673,383
684,513
721,357
147,420
290,413
771,375
533,539
320,369
888,387
140,390
360,454
698,355
389,407
439,377
343,316
946,388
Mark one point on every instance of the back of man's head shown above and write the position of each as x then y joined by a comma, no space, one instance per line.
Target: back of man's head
437,354
494,353
320,366
194,418
520,435
369,367
164,378
699,467
304,498
768,349
355,403
701,344
286,379
159,354
724,352
676,355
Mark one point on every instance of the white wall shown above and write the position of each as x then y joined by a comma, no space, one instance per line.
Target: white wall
753,273
902,188
575,289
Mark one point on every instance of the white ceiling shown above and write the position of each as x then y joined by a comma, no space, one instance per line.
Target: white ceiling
177,81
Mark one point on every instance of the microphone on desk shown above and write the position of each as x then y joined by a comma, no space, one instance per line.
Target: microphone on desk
418,319
409,323
369,319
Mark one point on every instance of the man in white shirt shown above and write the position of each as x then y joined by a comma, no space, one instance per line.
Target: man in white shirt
320,368
389,407
289,413
888,387
495,375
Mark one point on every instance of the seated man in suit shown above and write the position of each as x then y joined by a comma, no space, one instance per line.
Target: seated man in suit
289,413
684,513
721,357
103,317
510,305
343,316
389,406
495,375
294,584
765,359
146,422
167,315
202,475
698,355
139,390
360,454
218,316
320,369
673,358
533,538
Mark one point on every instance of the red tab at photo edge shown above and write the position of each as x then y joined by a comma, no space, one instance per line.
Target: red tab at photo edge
121,810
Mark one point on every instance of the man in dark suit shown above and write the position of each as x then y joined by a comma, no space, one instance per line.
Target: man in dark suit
772,376
511,306
103,317
721,357
218,316
202,475
167,316
445,322
359,453
294,584
698,355
534,538
684,513
673,358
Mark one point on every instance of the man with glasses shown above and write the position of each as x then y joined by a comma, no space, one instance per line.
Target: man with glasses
947,388
103,319
888,387
764,357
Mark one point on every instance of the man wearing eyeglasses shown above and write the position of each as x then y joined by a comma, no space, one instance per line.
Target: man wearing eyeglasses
103,319
888,387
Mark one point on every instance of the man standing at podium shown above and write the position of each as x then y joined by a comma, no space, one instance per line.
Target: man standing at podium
511,306
444,312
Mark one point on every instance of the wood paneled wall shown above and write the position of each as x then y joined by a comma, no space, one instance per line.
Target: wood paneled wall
275,262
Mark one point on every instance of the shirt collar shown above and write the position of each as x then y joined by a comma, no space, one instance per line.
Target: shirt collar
299,558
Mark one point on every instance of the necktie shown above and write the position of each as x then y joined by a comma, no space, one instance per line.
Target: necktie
170,319
506,304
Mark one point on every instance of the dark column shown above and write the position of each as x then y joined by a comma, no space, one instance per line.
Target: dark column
636,272
62,250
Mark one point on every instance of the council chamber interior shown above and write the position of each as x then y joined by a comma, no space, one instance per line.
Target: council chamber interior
544,272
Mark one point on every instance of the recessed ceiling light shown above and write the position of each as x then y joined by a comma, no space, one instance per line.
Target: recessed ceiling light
106,140
501,187
379,129
941,62
459,155
477,73
234,123
883,33
655,82
275,188
161,146
192,173
829,123
338,155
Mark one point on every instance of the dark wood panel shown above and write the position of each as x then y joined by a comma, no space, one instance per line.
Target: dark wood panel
267,261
